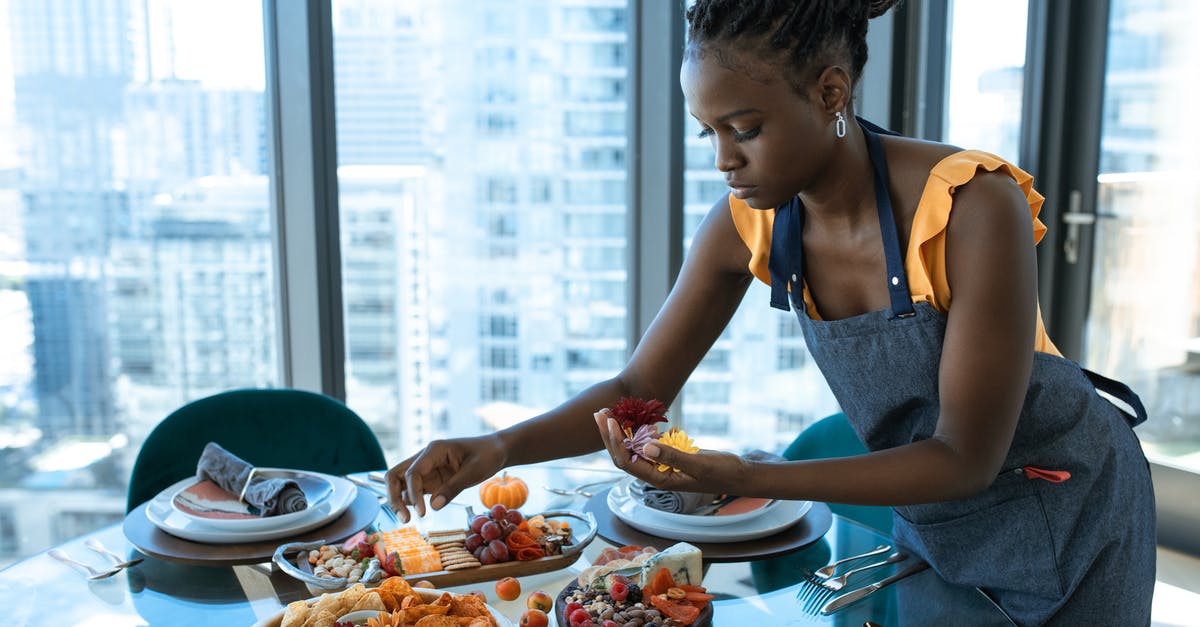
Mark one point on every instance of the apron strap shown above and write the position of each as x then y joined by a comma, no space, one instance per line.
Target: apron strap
897,279
1121,392
786,263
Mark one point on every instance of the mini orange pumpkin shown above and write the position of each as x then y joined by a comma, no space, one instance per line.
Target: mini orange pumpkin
510,492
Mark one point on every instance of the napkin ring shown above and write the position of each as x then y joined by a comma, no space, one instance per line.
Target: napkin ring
246,486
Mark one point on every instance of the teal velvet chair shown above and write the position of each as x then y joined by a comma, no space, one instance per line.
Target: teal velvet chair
831,436
274,428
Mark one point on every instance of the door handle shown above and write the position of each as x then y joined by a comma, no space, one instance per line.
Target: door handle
1074,218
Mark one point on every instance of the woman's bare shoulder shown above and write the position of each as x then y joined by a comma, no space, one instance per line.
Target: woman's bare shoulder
912,159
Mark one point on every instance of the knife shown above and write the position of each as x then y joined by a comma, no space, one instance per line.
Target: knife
855,595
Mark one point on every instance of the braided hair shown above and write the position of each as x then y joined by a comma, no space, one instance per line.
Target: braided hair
805,36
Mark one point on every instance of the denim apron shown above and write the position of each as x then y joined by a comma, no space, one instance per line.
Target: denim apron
1065,533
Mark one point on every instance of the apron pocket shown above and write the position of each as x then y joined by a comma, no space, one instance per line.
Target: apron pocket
1006,546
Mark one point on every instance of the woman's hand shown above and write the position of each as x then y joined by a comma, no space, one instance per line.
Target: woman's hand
702,471
442,470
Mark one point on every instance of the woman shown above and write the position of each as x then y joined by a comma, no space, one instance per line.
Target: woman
911,267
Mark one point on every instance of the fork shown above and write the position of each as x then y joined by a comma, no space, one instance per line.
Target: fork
579,490
825,572
93,574
381,495
117,560
820,590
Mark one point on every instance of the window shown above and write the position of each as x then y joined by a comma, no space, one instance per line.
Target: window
986,75
136,269
1143,324
481,182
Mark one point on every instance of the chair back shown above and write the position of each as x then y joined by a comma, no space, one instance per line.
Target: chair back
279,428
832,436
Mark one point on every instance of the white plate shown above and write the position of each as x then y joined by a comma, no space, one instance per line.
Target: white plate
163,515
630,511
316,490
428,595
689,520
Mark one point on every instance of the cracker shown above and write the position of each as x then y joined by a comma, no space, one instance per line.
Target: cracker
463,566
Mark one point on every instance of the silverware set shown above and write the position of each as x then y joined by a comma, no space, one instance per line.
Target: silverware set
581,490
95,574
824,583
380,491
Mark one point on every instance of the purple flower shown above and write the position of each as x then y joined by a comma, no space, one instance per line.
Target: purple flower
645,435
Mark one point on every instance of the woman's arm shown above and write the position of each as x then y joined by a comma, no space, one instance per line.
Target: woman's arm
986,361
710,286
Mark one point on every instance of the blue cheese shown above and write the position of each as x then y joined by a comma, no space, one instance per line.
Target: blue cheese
682,560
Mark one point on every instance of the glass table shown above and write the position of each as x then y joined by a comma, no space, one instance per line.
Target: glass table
41,590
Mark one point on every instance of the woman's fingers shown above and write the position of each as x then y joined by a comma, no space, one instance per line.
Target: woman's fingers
396,488
614,439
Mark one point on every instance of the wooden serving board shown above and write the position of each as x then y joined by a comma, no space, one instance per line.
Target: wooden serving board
490,572
299,567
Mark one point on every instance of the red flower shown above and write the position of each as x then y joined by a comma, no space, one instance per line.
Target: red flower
635,412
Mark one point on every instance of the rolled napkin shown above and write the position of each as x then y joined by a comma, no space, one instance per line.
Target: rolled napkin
271,497
676,502
688,502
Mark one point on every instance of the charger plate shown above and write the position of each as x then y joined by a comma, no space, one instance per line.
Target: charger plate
810,528
152,541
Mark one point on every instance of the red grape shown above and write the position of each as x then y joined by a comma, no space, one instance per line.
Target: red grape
490,531
513,516
486,556
499,511
499,549
477,522
474,541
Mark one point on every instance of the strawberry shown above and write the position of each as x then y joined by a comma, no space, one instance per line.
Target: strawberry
353,541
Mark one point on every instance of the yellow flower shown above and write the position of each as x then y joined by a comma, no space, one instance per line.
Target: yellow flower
676,439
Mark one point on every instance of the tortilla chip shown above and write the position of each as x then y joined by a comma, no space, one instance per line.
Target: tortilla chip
350,596
390,602
328,602
417,612
437,621
468,605
295,614
400,587
324,618
369,601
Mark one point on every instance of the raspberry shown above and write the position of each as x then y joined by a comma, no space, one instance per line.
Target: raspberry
618,591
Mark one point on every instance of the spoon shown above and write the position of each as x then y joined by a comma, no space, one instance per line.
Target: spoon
93,574
117,560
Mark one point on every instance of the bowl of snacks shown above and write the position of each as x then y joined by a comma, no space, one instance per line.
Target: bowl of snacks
646,588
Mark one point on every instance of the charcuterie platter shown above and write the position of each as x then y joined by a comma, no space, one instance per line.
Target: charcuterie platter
501,543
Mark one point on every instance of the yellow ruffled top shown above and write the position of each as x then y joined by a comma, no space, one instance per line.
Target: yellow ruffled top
925,261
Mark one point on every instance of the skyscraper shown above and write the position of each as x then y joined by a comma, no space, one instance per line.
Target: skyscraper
70,69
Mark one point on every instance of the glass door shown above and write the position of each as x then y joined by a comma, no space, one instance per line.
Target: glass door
1143,322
